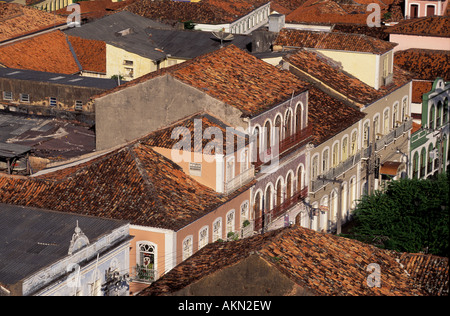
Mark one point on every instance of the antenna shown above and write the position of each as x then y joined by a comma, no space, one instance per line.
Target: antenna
222,36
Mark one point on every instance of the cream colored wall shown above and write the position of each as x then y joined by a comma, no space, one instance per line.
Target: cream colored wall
208,163
361,65
115,63
415,41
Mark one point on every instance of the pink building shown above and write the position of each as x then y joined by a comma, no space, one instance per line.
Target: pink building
425,33
423,8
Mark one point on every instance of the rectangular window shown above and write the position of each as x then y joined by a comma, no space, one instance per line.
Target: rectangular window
52,101
24,97
7,95
195,169
78,105
129,72
128,62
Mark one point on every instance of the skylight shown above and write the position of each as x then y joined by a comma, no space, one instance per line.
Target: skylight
57,78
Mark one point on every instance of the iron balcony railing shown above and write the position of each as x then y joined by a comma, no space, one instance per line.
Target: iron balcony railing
394,134
300,138
238,181
282,208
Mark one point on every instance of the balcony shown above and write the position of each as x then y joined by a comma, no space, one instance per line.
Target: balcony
300,138
142,274
238,181
339,169
281,209
392,135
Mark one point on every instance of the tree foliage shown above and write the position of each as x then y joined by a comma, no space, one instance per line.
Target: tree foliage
410,215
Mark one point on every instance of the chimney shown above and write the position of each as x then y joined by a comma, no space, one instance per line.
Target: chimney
276,22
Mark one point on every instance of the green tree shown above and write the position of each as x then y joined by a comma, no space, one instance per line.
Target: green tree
411,215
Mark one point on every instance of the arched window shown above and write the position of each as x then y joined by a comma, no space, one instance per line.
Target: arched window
404,108
217,229
279,192
431,118
354,145
335,159
376,125
256,134
268,199
416,166
366,135
315,167
298,117
438,114
230,221
257,206
333,207
245,212
147,259
288,124
187,247
325,157
395,115
268,135
345,148
430,158
386,122
423,158
203,237
300,178
278,128
289,186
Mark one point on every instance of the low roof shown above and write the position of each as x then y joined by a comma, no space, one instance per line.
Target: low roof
334,41
436,26
31,238
205,11
132,183
321,263
58,78
331,73
189,43
12,150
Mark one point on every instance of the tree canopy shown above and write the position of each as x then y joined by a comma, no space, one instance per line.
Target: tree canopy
411,215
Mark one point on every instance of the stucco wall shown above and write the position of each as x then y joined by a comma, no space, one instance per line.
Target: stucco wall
151,105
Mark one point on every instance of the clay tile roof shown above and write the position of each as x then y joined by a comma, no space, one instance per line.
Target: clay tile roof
205,11
90,53
419,88
428,26
96,9
429,271
197,124
328,116
425,64
49,52
17,20
322,264
234,77
333,40
132,183
323,69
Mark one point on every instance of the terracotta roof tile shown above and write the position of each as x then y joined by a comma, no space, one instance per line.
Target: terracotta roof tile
333,40
429,271
323,264
132,183
48,52
90,53
323,69
163,137
425,64
328,116
18,20
97,8
419,88
428,26
234,77
205,11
